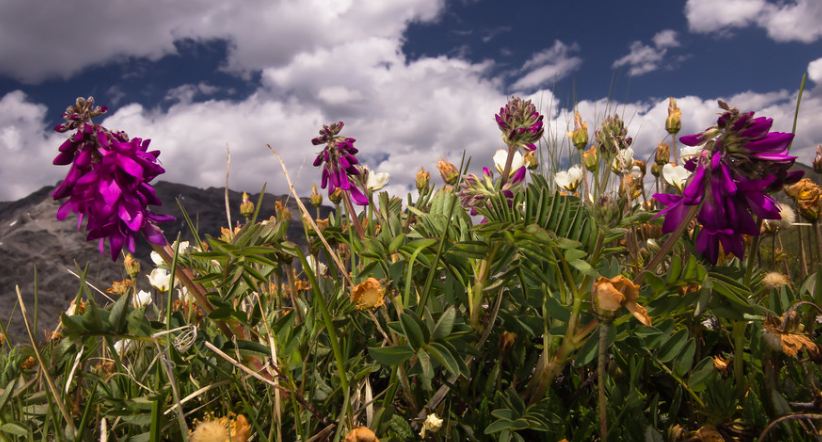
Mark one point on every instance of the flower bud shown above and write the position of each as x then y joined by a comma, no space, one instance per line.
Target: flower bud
817,162
132,265
530,160
656,169
663,154
423,178
579,136
283,212
361,434
808,197
611,294
246,206
674,121
336,196
315,198
590,158
448,172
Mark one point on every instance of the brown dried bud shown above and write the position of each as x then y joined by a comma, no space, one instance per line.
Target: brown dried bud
611,294
131,265
315,198
246,206
590,159
423,178
368,294
663,154
674,121
448,172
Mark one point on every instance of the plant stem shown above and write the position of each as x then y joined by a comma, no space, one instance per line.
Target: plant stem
669,244
508,162
602,400
738,334
355,220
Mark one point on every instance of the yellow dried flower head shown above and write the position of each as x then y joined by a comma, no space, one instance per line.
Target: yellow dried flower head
224,429
775,280
336,196
120,287
131,265
611,294
368,294
227,235
28,363
663,154
590,158
315,198
785,335
674,121
808,196
246,206
423,178
448,171
579,136
720,363
361,434
283,212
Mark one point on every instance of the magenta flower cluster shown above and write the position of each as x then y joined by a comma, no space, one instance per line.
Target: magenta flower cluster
339,162
107,184
520,123
740,164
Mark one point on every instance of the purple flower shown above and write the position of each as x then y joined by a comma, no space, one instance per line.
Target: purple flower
108,183
740,164
520,123
475,190
339,162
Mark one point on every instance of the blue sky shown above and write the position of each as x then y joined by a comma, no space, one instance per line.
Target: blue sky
415,80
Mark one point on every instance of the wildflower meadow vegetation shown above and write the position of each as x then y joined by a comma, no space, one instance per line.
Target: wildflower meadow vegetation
557,293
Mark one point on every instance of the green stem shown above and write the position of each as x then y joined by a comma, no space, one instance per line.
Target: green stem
669,243
602,400
332,337
738,334
508,162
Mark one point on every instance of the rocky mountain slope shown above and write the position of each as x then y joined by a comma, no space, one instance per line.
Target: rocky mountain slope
31,237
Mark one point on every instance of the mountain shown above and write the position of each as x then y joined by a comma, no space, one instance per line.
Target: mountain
32,237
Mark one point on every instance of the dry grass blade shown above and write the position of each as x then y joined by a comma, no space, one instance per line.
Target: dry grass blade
307,216
41,364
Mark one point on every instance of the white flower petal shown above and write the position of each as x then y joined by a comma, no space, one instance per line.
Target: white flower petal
141,299
159,279
675,175
501,156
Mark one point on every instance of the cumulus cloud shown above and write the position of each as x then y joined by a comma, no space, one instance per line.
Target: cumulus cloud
796,20
644,58
404,114
67,36
549,65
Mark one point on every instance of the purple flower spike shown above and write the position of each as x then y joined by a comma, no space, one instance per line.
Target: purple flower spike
107,184
742,162
339,162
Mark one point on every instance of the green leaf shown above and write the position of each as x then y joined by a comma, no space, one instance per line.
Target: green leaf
391,356
673,347
444,325
14,429
117,317
497,426
442,355
413,330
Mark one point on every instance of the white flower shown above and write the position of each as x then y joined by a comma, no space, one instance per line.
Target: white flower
159,278
569,179
501,156
317,267
788,217
675,175
689,152
185,247
624,159
141,299
432,423
122,346
377,180
157,259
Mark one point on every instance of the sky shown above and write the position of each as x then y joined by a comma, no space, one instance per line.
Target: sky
414,80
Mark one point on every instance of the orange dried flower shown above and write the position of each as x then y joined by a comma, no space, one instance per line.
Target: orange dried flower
120,287
619,291
368,294
361,434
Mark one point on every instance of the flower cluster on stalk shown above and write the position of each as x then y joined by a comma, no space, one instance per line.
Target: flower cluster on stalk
107,184
739,162
339,161
520,123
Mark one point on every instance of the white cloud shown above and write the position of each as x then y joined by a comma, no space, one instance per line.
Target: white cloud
67,36
793,20
549,65
643,58
185,93
404,114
